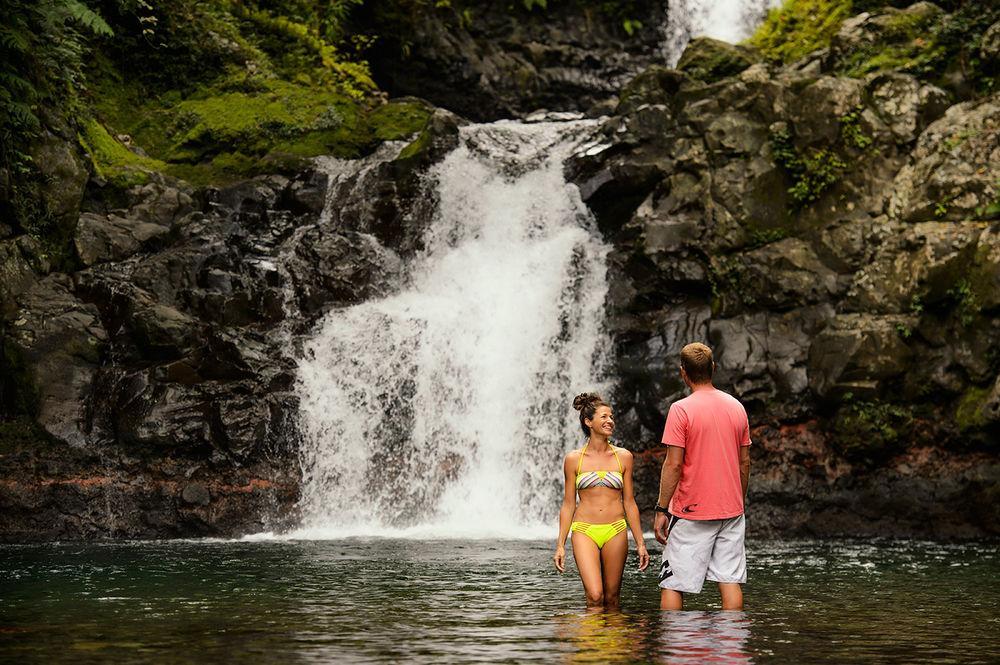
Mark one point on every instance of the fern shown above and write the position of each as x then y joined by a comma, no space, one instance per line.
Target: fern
88,18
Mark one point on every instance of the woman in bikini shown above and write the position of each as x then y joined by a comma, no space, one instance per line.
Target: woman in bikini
602,475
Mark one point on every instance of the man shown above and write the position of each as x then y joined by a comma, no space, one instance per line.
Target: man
699,514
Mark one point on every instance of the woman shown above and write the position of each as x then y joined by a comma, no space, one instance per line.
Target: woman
602,475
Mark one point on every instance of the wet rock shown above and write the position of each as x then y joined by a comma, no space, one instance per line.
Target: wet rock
656,85
101,238
16,276
306,193
340,269
58,341
780,275
859,354
196,493
510,61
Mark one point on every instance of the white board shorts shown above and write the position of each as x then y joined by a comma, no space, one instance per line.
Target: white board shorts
697,550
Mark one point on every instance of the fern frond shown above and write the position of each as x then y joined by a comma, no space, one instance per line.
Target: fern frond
88,18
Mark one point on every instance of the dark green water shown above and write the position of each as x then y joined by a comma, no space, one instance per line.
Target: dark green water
453,601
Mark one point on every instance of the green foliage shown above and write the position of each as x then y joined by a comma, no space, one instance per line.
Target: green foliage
930,45
799,27
812,174
966,302
760,237
43,44
851,132
869,432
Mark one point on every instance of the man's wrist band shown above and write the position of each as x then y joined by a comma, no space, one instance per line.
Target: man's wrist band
660,509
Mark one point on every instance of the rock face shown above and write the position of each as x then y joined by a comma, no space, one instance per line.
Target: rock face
835,238
500,60
166,361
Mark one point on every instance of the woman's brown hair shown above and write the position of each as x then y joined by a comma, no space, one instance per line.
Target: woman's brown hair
587,404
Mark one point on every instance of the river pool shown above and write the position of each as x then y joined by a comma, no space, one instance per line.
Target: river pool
386,600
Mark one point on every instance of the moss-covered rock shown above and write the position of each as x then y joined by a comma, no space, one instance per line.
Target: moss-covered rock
236,128
710,60
113,161
970,412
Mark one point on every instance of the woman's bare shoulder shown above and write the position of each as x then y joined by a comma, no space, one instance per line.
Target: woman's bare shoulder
624,453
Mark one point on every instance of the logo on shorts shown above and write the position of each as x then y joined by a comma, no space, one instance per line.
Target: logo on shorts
689,508
665,571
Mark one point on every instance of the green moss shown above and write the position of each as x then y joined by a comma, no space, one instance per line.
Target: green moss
113,161
869,432
399,120
799,27
416,147
241,126
710,60
969,412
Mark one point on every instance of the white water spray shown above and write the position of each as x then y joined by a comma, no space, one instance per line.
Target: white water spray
445,410
729,20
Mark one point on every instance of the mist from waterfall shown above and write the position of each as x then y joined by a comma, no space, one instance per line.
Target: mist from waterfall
729,20
445,410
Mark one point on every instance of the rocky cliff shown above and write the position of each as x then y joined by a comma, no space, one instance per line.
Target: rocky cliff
830,224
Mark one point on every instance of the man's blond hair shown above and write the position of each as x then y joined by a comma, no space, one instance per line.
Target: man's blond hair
696,359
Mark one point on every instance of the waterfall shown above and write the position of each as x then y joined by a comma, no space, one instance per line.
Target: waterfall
729,20
445,410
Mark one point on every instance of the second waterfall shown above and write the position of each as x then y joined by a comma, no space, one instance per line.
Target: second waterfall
444,410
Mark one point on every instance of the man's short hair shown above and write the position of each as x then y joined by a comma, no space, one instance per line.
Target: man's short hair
696,359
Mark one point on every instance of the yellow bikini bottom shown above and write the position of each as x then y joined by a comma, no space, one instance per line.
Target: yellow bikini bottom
599,533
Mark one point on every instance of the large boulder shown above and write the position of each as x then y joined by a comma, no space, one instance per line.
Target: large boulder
859,354
918,267
64,177
710,60
56,343
955,168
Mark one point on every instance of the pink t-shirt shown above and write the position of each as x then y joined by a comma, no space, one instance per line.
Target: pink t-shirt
711,426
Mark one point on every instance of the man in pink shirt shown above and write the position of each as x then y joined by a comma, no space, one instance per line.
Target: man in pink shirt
699,515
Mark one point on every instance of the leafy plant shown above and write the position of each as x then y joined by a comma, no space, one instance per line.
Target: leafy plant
868,432
851,132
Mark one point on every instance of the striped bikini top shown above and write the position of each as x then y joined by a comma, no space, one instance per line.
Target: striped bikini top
611,479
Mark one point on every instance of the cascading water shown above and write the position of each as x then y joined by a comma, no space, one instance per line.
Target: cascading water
444,410
729,20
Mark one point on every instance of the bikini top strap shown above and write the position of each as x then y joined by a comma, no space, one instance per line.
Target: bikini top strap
579,464
621,469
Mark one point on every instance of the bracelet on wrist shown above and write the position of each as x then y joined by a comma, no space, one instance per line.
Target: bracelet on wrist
660,509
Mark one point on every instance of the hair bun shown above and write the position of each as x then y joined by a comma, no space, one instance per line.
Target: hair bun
583,399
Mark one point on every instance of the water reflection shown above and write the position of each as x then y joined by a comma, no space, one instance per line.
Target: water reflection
604,637
703,637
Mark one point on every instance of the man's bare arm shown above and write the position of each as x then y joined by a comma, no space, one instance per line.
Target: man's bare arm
745,469
670,474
